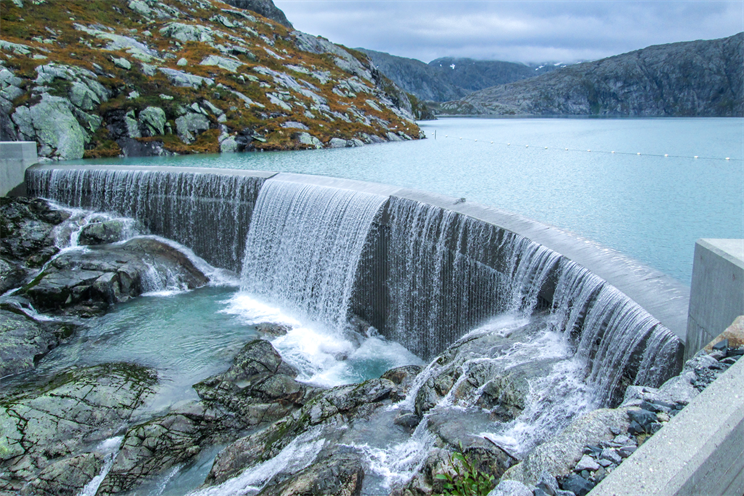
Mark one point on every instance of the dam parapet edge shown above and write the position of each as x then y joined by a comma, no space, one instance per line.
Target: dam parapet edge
661,296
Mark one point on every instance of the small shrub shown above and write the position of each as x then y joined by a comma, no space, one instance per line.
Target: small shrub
468,481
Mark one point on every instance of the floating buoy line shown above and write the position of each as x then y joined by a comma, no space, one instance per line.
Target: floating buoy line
612,152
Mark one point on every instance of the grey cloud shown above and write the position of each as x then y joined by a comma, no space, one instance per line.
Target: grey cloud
526,31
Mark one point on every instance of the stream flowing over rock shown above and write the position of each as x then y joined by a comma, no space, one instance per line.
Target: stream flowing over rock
75,411
87,282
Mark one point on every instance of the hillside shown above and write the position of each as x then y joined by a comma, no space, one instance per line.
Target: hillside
450,78
100,78
697,78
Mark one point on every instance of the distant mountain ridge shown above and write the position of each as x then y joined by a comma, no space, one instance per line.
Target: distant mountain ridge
450,78
696,78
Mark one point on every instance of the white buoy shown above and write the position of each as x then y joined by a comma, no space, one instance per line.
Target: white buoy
696,156
613,151
566,149
638,153
526,146
728,158
588,150
508,144
460,138
476,141
666,154
546,147
492,142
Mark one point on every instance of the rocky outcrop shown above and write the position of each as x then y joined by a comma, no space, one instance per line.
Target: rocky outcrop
48,432
27,238
86,283
172,77
265,8
698,78
24,340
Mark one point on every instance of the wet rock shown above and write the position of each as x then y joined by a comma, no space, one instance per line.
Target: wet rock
42,425
340,474
11,276
339,405
407,420
24,341
259,387
150,449
27,231
403,378
87,282
99,233
271,329
66,477
559,455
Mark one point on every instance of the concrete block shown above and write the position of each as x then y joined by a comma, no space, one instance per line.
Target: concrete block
717,291
699,452
15,158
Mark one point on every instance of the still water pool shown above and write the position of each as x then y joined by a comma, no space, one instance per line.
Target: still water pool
647,205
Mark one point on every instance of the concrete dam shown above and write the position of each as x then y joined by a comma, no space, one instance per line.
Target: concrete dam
422,269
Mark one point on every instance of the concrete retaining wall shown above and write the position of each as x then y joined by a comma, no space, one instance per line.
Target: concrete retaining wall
717,291
15,158
700,452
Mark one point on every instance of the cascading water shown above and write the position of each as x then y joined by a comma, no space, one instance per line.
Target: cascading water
304,244
208,212
425,276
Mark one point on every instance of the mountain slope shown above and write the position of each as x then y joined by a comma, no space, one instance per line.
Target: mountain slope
450,78
698,78
100,78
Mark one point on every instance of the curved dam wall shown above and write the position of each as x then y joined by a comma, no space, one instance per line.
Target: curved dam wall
426,270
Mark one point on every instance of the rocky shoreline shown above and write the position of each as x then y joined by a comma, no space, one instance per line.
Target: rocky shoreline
94,428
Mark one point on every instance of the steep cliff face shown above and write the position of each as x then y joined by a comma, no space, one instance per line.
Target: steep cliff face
451,78
94,78
698,78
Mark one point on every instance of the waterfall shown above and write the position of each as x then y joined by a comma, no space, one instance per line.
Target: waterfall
422,274
304,244
621,343
208,212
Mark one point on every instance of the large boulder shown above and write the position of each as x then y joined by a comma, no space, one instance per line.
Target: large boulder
259,387
87,282
66,417
53,125
24,341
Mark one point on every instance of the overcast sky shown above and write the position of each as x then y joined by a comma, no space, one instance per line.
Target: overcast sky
524,31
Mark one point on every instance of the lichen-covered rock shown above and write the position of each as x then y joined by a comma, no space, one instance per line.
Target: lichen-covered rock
72,412
339,405
52,124
259,387
27,237
24,341
339,474
66,477
153,120
108,231
87,282
190,125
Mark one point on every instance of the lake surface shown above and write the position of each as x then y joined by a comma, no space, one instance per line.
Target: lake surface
647,206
